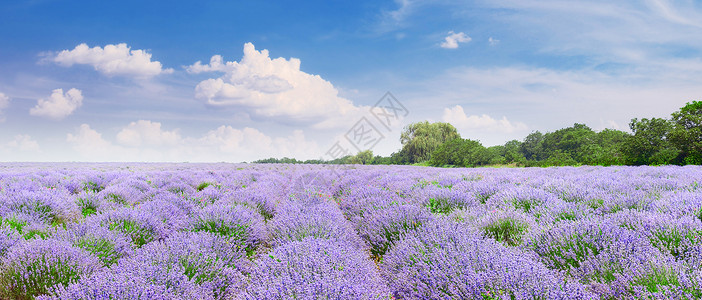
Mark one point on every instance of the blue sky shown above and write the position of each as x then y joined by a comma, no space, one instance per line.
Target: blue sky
118,81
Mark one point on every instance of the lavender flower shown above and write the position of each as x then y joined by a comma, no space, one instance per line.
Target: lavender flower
315,269
32,268
445,260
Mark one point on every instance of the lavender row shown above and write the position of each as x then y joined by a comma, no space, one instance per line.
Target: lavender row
221,231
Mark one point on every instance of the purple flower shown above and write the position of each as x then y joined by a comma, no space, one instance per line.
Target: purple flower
31,269
315,269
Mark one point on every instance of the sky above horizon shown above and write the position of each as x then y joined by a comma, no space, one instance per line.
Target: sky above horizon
233,81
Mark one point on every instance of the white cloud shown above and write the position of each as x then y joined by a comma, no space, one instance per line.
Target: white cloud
493,41
451,41
216,65
24,143
91,146
275,88
457,117
113,60
224,143
58,105
4,103
149,133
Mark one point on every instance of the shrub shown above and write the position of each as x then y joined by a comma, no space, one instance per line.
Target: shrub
315,269
445,260
238,224
31,269
381,228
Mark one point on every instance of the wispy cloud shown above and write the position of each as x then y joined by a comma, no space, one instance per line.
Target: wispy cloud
623,32
4,103
145,140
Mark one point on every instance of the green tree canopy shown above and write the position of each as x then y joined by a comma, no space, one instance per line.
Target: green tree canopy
420,139
362,158
686,133
460,153
649,145
569,140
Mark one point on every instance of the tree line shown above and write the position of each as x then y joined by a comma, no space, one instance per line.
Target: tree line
654,141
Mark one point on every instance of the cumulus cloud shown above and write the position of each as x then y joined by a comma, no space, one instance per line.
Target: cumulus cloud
458,117
4,103
145,132
24,143
58,105
274,88
113,60
493,41
147,141
91,146
451,41
216,65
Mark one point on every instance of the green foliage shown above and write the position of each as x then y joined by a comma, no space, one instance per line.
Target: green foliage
569,140
101,248
419,140
139,235
506,230
203,185
686,133
460,153
92,187
87,206
19,226
236,231
532,147
607,149
116,199
568,253
24,282
440,206
511,152
649,145
675,241
362,158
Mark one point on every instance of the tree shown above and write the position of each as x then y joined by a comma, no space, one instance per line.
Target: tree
512,153
649,145
362,158
686,133
607,149
419,140
570,140
460,153
532,148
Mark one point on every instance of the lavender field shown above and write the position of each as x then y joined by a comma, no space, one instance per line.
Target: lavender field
228,231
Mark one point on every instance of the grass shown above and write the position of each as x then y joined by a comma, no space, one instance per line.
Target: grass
139,235
506,230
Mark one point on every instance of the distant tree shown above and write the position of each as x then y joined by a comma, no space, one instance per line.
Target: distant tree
460,153
532,147
686,133
569,140
495,155
362,158
420,139
649,145
607,149
512,153
382,160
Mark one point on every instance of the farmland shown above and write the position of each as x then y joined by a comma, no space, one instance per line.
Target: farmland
275,231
